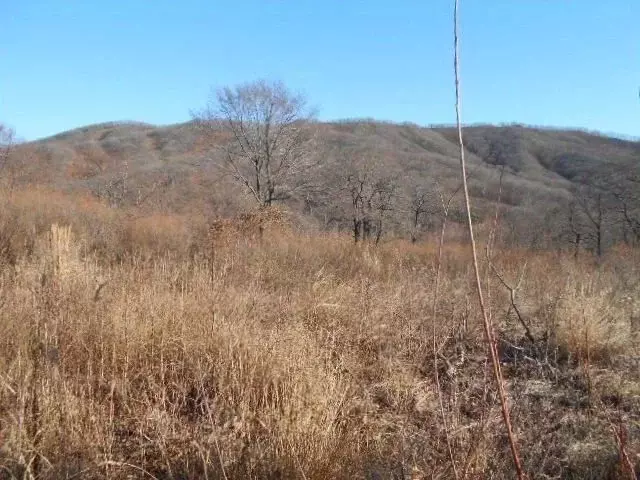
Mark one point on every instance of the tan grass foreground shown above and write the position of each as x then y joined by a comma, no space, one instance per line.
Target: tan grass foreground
148,348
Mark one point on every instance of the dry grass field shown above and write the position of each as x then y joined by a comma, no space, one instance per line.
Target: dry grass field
145,347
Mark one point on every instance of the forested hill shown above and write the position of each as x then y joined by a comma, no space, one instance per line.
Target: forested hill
171,169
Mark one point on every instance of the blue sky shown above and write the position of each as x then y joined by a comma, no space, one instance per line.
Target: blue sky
65,64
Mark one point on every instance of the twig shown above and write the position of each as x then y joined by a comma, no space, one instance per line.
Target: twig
124,464
96,295
620,433
295,458
489,334
512,297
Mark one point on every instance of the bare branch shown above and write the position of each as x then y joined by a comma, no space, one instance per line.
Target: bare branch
270,138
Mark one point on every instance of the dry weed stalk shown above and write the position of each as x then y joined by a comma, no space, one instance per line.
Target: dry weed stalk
445,204
621,434
489,333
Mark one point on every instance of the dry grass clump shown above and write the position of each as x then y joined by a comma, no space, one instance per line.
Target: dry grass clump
300,356
591,325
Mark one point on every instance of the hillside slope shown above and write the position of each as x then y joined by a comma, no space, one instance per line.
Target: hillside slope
167,169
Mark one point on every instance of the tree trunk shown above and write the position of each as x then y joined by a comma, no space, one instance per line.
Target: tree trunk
356,229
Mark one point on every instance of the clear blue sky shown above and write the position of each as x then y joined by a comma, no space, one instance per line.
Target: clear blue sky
68,63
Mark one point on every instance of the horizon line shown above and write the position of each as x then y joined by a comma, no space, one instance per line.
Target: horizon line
347,120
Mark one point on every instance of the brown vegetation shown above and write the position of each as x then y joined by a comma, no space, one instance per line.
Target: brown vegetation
128,350
551,180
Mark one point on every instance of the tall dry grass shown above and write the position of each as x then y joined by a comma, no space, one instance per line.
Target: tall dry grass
137,353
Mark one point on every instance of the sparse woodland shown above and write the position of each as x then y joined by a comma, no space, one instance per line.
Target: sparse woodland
257,294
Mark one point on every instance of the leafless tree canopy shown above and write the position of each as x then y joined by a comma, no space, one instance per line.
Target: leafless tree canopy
271,131
422,204
623,186
372,194
604,210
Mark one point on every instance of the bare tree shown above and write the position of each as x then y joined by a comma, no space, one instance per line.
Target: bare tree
606,208
630,211
372,198
421,204
591,217
267,138
626,193
575,227
383,203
